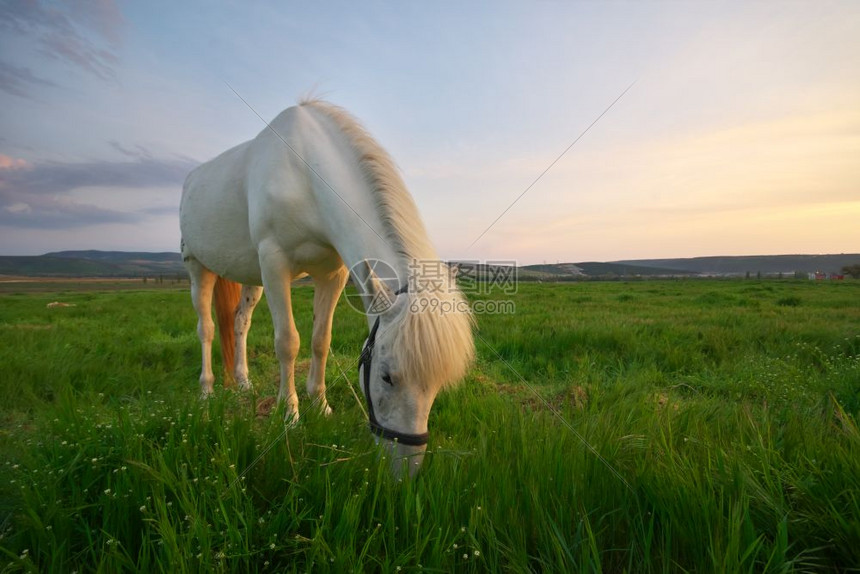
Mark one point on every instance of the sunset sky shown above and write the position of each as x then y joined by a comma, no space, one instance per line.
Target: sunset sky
740,134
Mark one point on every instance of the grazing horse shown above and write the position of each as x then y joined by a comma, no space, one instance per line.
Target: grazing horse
314,194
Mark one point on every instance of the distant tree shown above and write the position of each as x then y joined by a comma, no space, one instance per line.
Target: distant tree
780,275
852,270
748,275
758,275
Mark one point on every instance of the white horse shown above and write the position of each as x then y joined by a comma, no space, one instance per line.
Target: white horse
314,194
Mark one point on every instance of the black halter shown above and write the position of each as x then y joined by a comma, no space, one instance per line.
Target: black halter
365,360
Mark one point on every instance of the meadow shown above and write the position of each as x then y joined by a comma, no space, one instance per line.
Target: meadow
654,426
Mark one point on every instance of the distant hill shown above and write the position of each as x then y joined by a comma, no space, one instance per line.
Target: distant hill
597,269
765,264
94,264
118,256
726,266
141,264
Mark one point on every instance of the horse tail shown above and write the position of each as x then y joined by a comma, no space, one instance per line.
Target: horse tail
227,295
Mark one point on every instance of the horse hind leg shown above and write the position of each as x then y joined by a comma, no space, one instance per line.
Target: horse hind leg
327,289
202,286
247,302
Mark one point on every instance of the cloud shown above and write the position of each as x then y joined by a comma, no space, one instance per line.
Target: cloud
102,17
10,163
59,177
41,195
75,50
20,81
60,213
139,152
85,35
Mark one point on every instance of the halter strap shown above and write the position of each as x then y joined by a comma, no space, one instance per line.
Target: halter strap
364,361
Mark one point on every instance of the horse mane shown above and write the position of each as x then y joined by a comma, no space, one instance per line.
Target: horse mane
434,345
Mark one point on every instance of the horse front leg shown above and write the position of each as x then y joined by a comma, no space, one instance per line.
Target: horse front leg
327,289
276,282
248,301
202,286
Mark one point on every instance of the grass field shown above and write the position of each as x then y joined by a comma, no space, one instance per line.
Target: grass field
720,419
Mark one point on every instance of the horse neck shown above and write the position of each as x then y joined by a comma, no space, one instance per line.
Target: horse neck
360,234
355,223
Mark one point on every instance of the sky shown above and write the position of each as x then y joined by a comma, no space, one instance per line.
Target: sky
739,133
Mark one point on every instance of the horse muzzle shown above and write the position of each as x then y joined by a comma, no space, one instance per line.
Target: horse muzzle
404,459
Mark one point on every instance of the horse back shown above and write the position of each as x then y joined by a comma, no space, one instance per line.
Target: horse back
265,191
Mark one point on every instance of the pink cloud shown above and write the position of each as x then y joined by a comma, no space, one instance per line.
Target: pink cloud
10,163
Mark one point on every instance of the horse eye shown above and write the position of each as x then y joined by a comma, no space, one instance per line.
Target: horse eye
387,378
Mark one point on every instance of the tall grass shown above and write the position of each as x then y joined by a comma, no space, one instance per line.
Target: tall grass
729,414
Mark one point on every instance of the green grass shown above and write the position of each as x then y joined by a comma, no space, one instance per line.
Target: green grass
723,412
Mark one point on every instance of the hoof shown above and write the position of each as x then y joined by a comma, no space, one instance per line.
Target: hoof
327,411
207,386
291,419
291,409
